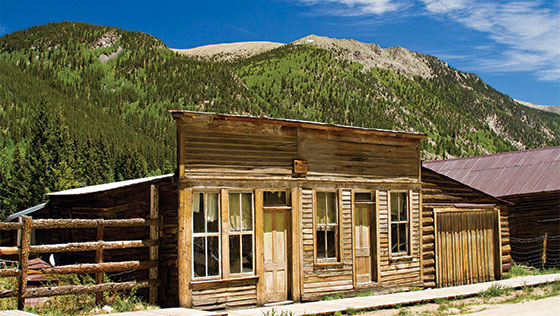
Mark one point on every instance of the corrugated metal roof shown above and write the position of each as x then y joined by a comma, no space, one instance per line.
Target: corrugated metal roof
25,212
108,186
505,174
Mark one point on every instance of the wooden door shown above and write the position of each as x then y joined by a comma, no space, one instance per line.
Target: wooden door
276,255
364,242
467,247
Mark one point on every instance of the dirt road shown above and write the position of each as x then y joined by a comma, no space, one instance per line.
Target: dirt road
545,307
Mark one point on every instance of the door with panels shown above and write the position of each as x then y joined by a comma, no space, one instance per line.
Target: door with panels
365,238
276,219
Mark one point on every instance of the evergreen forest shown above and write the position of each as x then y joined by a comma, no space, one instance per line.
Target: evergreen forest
84,104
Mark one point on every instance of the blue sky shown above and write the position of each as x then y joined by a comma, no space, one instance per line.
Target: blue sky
513,45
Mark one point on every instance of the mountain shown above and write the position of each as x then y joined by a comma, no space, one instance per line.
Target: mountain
84,104
548,108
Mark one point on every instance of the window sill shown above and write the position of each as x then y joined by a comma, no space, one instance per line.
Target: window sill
220,283
397,257
328,264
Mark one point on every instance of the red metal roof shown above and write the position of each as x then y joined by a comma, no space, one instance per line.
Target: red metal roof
505,174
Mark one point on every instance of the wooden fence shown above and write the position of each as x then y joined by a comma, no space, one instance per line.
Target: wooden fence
98,268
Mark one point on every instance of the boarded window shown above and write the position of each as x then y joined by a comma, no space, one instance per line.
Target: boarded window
326,224
399,223
241,241
206,235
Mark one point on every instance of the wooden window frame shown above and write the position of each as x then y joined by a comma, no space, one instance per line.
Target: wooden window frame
219,234
242,233
338,236
408,252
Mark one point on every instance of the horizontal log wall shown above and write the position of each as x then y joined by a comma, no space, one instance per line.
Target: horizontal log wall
535,214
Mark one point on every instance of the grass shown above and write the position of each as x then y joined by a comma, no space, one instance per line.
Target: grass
274,312
74,305
517,271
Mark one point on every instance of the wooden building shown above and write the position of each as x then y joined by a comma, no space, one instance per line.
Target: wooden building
529,179
268,210
273,210
465,233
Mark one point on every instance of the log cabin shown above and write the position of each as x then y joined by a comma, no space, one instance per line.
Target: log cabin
530,180
274,210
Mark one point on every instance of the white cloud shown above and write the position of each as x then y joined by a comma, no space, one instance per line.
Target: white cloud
528,31
356,7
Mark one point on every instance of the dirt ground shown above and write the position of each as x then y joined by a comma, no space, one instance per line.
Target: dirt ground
468,305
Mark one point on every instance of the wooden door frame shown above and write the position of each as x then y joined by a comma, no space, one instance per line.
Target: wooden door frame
292,243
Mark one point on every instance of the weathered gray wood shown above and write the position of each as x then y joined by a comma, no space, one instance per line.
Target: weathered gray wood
154,235
83,289
89,223
87,268
92,245
23,261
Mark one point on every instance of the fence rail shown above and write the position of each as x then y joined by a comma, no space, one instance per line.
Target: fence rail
99,268
540,252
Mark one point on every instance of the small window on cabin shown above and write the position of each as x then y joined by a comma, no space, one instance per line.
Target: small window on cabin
206,235
363,196
241,241
326,224
399,223
275,198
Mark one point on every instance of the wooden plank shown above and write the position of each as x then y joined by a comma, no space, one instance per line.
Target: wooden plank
259,245
99,259
154,235
224,206
84,289
24,260
184,247
92,245
296,241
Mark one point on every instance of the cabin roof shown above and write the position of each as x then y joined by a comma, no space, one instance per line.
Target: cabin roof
505,174
295,123
25,212
108,186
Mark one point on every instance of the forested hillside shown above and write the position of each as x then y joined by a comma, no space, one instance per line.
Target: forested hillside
83,104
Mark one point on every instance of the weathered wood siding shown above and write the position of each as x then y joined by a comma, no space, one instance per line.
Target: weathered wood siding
319,280
399,271
359,157
225,297
223,148
534,214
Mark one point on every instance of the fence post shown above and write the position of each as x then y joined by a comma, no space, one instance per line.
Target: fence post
99,259
154,235
545,241
23,261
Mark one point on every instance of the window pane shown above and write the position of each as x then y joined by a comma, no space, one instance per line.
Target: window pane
274,198
403,207
234,254
212,212
213,256
247,258
394,238
247,214
198,213
268,236
331,208
402,238
321,205
394,207
321,251
199,259
234,212
331,242
363,196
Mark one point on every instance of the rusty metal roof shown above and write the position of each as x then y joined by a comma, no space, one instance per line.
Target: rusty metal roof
505,174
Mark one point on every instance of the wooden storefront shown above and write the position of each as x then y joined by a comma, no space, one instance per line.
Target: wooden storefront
277,210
